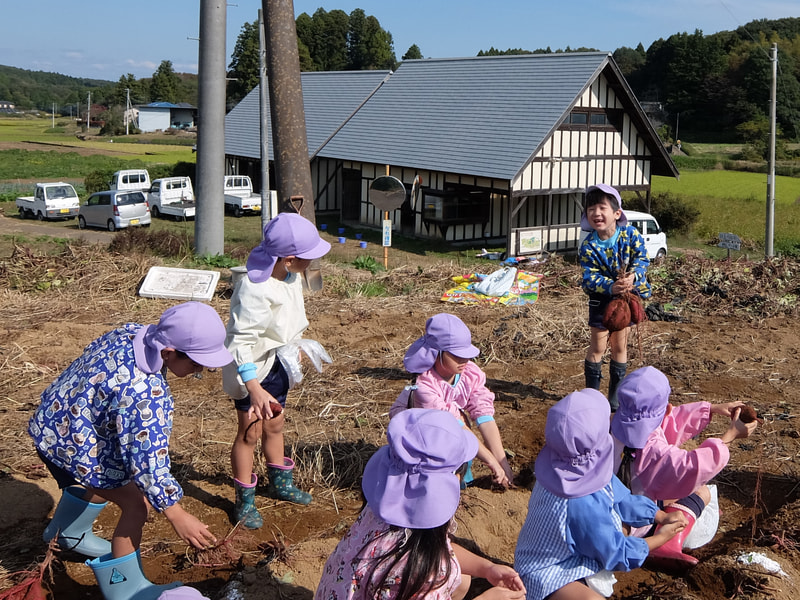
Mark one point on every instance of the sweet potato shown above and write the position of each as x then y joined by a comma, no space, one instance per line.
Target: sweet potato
748,414
618,315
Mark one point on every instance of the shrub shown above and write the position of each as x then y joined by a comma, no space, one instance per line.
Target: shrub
675,215
98,180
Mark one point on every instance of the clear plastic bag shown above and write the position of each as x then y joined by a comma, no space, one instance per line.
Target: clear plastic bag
705,527
602,582
289,355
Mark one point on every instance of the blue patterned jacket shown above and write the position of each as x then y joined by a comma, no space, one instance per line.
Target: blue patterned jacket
601,260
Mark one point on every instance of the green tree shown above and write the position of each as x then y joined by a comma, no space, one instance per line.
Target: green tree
119,94
245,63
369,46
413,53
165,83
630,60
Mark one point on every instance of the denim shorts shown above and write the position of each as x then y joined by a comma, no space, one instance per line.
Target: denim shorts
276,383
597,309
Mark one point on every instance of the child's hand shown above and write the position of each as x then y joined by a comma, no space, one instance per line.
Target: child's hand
737,429
507,470
498,473
504,577
260,404
623,284
726,409
189,528
669,518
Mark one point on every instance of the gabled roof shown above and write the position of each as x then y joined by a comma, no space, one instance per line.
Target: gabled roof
482,116
329,99
160,105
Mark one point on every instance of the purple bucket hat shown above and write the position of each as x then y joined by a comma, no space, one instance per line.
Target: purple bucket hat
411,482
192,327
577,458
643,398
606,189
443,333
288,234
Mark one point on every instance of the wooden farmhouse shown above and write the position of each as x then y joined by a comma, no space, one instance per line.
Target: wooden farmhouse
504,146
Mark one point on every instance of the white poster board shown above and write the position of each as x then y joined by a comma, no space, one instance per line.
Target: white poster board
181,284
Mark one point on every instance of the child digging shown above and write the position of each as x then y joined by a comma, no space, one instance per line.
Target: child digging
267,313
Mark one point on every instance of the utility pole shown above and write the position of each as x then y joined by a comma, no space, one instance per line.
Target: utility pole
263,114
88,111
209,229
769,235
127,108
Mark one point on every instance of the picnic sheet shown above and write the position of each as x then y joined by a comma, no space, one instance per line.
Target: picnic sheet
525,290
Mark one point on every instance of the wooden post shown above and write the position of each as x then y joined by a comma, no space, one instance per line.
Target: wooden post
386,248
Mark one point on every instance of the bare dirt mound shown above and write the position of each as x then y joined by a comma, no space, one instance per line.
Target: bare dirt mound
737,337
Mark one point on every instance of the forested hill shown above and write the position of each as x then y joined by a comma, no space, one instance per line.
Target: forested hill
40,89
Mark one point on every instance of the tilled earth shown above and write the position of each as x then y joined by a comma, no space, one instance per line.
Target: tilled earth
729,331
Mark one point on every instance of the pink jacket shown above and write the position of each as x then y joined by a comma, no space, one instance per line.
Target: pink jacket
662,470
469,394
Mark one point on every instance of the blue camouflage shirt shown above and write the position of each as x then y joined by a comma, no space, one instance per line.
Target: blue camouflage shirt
108,423
601,260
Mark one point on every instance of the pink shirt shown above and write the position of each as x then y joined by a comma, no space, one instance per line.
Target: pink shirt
469,394
662,470
354,556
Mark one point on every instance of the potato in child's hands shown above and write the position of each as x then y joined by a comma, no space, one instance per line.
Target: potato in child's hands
275,407
748,414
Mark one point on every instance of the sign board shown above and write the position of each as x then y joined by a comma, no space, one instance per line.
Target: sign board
387,232
387,193
730,241
182,284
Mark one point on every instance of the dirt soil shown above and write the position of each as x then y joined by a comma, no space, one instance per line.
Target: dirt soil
732,334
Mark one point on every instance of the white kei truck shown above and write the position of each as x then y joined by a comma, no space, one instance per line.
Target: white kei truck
57,200
172,197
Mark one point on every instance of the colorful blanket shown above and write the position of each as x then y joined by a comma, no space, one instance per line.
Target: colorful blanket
524,291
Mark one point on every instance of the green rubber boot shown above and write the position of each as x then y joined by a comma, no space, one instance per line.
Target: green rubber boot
281,483
245,511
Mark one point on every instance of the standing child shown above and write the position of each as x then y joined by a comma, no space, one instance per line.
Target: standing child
449,380
103,431
614,261
574,527
654,464
267,313
399,548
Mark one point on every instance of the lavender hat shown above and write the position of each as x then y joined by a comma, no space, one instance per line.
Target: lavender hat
192,327
606,189
443,333
411,482
577,458
287,234
643,397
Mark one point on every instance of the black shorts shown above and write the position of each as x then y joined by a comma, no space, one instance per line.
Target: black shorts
63,478
276,383
597,309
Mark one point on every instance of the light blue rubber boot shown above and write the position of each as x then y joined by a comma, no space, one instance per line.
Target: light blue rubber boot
122,578
72,523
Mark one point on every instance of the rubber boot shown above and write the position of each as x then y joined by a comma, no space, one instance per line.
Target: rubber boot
281,483
122,578
468,477
72,523
670,555
593,372
617,372
245,511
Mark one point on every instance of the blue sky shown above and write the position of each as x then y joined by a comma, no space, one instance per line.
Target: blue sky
105,40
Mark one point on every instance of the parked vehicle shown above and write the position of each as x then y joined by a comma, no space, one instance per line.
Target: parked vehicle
655,240
114,209
239,196
172,197
49,201
137,180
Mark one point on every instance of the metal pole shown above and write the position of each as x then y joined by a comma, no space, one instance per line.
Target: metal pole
209,228
769,249
263,95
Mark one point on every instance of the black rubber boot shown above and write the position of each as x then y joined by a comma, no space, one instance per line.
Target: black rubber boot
617,372
593,371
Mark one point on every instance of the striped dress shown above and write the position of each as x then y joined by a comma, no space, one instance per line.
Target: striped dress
564,540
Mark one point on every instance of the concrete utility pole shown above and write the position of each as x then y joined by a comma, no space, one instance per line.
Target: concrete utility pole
769,235
263,115
289,141
209,229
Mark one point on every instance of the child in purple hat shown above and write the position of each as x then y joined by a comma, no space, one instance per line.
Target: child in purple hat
267,315
574,528
614,261
653,463
103,428
447,379
399,547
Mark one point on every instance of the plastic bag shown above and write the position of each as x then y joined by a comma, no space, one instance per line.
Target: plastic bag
602,582
705,527
289,355
498,283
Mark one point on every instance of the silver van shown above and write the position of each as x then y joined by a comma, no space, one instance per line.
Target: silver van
114,209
